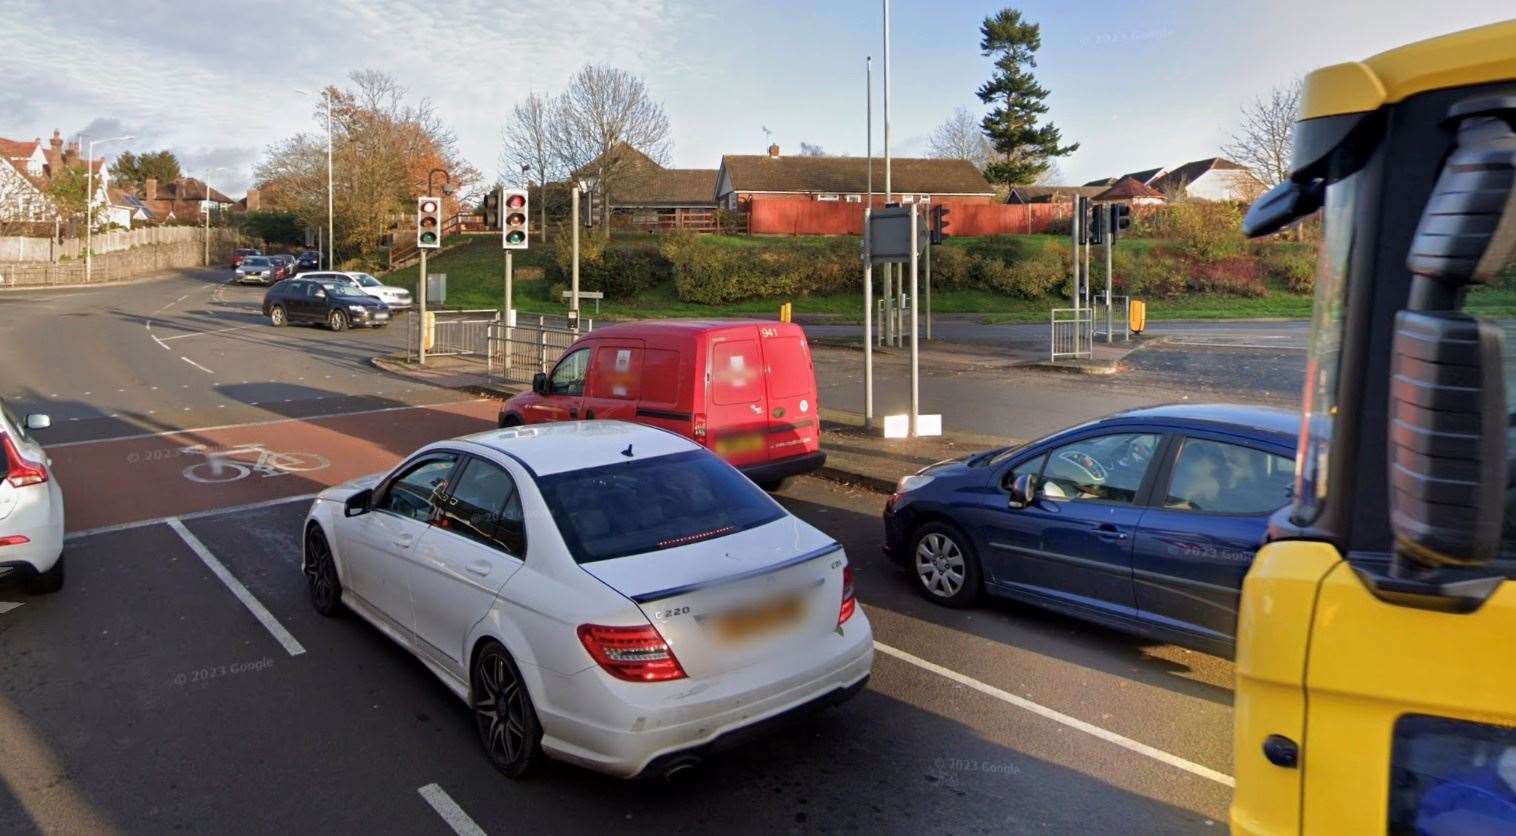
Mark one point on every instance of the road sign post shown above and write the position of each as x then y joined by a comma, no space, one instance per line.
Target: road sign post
868,322
421,311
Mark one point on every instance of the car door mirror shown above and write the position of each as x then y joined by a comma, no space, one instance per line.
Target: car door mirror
320,294
359,503
1023,490
38,421
539,383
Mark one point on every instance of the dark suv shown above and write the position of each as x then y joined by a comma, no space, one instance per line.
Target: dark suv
337,304
308,260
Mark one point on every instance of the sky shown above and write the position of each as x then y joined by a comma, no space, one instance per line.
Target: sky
1136,84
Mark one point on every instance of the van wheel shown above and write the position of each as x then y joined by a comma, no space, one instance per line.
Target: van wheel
47,582
510,420
773,485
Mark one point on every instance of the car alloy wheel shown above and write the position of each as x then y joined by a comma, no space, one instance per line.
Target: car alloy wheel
321,574
277,316
337,321
503,713
946,571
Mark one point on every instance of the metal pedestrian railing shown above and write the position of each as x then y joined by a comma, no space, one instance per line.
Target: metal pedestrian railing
1072,333
454,332
534,344
1117,320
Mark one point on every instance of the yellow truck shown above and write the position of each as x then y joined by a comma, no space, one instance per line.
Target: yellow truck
1376,648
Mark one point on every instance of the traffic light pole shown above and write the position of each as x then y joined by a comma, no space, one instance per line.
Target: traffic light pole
574,290
929,291
1110,236
915,322
868,324
421,310
1074,223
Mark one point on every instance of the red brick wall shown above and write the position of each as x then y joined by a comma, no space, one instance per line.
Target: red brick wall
968,217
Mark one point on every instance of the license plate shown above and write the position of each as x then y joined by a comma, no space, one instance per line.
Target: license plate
745,623
734,445
381,316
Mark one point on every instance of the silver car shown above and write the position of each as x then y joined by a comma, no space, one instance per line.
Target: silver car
255,268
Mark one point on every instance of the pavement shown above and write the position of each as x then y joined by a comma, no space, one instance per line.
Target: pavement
181,681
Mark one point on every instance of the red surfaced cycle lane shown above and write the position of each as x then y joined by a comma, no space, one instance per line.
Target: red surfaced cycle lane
117,481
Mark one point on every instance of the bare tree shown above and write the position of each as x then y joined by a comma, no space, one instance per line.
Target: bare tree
528,143
960,137
603,112
810,150
1051,176
1261,142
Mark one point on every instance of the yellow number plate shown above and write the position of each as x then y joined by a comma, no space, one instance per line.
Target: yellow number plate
752,621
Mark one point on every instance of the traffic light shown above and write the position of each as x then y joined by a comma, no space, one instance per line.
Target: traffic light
1097,225
492,210
515,211
1121,218
428,222
939,222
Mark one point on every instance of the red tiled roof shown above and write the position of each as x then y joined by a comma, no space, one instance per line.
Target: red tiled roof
1127,188
763,173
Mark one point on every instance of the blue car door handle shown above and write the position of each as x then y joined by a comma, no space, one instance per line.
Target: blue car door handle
1108,531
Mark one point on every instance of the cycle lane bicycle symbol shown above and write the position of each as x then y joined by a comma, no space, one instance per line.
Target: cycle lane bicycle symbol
230,464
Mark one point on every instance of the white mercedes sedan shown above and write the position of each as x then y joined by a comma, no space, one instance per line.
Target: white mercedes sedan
600,592
398,298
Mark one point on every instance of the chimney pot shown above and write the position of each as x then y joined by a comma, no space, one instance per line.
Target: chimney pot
774,150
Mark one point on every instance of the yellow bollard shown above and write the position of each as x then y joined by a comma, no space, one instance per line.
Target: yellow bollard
786,311
429,330
1138,315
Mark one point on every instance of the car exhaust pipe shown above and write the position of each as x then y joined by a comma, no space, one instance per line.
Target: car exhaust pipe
681,770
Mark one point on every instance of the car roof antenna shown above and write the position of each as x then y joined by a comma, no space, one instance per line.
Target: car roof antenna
628,451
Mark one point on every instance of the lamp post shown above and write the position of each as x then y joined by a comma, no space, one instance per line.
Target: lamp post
89,203
331,241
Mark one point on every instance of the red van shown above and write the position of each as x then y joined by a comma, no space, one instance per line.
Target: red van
745,389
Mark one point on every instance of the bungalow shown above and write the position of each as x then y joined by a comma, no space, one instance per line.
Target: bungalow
646,195
1022,195
1130,190
743,177
1213,178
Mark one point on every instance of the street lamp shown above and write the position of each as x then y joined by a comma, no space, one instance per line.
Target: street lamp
206,208
446,181
89,203
331,244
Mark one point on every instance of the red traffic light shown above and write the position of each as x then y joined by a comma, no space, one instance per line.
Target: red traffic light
428,206
515,201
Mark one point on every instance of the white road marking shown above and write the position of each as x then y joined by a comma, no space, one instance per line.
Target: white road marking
259,612
449,810
193,515
203,333
1059,717
189,430
196,365
7,606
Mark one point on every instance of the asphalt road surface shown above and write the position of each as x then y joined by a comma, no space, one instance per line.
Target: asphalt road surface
181,681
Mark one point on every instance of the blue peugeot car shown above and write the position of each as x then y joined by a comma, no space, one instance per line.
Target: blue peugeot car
1146,520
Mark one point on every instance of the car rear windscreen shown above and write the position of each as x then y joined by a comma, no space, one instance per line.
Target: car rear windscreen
648,505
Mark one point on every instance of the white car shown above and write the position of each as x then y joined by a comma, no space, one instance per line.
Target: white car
31,506
600,592
398,298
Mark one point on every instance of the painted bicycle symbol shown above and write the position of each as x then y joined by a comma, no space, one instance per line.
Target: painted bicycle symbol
228,464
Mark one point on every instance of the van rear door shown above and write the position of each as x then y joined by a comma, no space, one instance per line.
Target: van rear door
793,426
737,408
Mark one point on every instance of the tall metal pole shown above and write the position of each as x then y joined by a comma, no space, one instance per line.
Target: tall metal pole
574,288
868,87
421,309
868,323
929,291
1110,331
207,224
915,321
888,187
1074,236
331,224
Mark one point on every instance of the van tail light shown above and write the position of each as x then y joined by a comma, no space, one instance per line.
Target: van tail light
635,654
20,472
849,603
699,427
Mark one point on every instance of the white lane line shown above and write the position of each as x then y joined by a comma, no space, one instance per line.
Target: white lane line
449,810
259,612
7,606
203,333
189,430
1059,717
196,365
193,515
161,344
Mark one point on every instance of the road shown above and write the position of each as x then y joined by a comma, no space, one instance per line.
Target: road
182,681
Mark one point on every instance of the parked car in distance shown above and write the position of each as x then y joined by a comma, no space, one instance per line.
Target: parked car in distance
398,298
31,506
257,269
307,260
1146,520
284,266
338,305
241,253
602,593
745,389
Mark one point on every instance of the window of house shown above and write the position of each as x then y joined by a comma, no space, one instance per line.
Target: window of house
827,196
855,198
924,198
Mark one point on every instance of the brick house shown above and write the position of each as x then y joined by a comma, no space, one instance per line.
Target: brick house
26,171
645,195
1213,178
183,199
743,177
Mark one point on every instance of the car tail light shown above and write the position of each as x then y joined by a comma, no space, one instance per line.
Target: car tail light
20,472
15,540
699,427
849,603
635,654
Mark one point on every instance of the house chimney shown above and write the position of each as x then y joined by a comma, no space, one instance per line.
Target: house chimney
150,188
254,200
56,142
774,151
